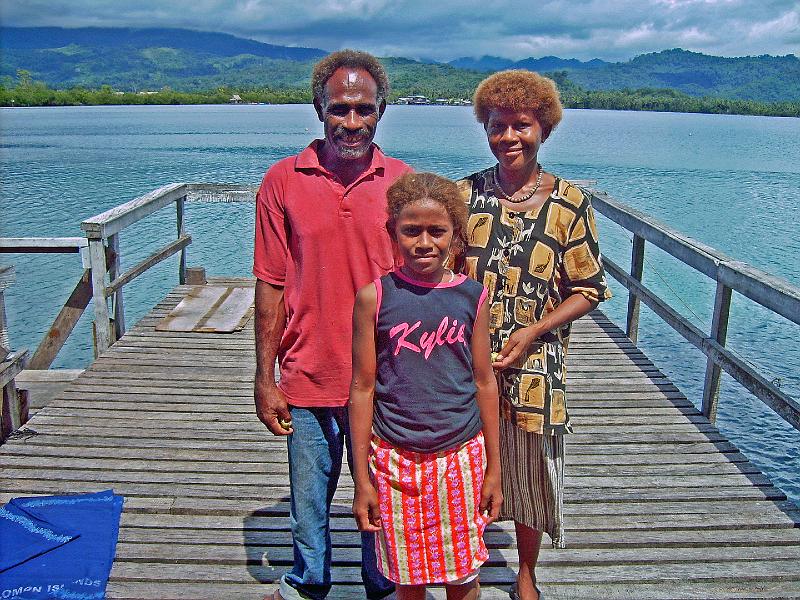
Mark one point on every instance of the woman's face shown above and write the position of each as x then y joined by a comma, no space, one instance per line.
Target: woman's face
514,138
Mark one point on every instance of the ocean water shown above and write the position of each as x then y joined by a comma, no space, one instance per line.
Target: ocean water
732,182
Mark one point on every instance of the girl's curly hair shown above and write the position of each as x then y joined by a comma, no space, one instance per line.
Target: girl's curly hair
411,187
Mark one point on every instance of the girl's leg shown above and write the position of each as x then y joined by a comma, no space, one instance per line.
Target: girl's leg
528,543
410,592
463,591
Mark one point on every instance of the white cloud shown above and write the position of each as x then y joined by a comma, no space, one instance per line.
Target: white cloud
443,30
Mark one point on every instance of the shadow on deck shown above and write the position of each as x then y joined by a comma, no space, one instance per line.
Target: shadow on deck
658,503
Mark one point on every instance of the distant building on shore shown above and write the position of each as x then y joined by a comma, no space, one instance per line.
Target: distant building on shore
413,100
424,100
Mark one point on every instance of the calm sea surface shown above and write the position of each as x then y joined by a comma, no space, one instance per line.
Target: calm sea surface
731,182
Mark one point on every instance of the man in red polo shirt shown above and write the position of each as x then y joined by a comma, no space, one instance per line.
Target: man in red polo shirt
320,236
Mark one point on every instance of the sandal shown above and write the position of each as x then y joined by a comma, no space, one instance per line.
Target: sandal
515,596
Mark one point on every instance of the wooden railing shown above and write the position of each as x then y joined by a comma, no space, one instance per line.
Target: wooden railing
77,302
773,293
102,233
100,251
101,277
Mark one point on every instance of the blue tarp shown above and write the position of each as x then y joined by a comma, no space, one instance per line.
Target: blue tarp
58,546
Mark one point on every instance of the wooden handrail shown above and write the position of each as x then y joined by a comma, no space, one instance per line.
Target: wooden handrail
36,245
150,261
774,293
102,233
220,192
118,218
771,395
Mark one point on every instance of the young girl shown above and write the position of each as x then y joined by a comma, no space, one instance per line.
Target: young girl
424,401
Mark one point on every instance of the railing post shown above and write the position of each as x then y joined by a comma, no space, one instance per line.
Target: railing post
180,205
117,300
13,362
102,326
637,268
6,279
719,333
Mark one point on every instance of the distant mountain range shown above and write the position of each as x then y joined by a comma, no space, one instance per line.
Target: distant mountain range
137,59
489,64
202,42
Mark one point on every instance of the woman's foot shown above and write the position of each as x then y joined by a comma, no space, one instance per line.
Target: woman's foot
536,593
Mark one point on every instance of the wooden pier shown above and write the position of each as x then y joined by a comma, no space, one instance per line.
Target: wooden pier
659,504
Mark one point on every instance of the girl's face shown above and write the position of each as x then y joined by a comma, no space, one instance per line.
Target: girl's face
423,232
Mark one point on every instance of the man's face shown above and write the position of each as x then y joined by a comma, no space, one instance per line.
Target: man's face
350,112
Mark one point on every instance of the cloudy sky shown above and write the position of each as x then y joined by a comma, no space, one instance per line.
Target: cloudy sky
448,29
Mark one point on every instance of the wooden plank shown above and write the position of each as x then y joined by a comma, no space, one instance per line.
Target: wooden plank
190,465
63,324
209,309
102,326
700,256
12,366
37,245
118,218
719,333
658,504
188,553
115,292
601,455
661,572
232,314
495,537
7,277
637,268
181,232
137,590
773,293
152,260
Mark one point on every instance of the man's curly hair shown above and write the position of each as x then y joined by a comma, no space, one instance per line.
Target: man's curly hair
411,187
519,90
354,59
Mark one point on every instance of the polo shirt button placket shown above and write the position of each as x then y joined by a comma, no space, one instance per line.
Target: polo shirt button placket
344,209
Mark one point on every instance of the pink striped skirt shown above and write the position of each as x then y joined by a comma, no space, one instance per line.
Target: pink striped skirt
431,526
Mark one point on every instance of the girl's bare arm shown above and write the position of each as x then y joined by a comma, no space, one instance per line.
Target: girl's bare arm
362,388
489,406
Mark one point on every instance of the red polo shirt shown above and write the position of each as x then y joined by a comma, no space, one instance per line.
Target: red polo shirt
321,241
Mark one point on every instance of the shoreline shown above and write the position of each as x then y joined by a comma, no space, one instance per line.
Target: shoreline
29,93
793,112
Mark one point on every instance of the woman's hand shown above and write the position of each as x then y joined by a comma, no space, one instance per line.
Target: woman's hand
491,497
517,345
365,508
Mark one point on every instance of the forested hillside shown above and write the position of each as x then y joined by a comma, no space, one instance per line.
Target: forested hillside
131,60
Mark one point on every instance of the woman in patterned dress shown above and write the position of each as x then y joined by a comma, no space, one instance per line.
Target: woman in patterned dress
533,244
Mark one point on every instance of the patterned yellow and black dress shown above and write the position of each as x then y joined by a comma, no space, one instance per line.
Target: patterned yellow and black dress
530,262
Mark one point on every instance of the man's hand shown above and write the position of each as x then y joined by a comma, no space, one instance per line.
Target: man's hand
270,322
365,508
272,409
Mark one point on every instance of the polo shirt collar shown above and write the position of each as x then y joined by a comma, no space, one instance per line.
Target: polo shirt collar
309,159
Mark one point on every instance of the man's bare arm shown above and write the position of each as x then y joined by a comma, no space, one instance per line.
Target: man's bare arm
270,322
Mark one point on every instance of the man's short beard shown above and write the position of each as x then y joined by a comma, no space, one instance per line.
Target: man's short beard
349,153
352,153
